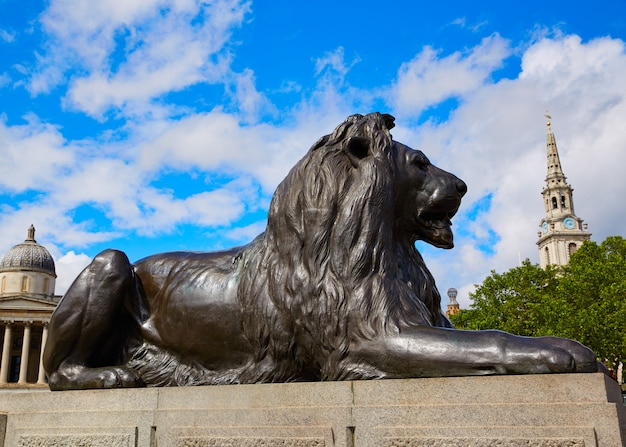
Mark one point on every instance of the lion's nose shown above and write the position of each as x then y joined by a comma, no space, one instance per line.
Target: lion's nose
461,187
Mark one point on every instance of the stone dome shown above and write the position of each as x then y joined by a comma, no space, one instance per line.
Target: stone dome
28,255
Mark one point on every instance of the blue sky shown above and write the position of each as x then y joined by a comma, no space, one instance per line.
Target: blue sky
151,125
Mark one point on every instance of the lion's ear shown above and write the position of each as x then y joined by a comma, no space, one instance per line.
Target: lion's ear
389,121
357,149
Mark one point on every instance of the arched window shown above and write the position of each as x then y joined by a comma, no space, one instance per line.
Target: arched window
46,285
571,248
547,256
554,204
24,283
563,202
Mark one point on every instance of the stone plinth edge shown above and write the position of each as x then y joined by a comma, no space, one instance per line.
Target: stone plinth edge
568,410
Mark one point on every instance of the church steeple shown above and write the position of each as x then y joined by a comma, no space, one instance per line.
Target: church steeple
562,232
554,163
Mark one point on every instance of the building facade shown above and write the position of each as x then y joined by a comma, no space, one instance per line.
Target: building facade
562,232
27,299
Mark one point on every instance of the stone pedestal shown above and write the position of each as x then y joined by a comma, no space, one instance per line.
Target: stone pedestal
543,410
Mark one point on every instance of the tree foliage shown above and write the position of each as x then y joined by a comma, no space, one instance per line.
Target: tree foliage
585,300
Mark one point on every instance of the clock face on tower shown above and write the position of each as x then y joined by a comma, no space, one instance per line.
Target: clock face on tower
569,223
544,227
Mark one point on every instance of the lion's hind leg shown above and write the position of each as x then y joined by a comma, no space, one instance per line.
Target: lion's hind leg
92,329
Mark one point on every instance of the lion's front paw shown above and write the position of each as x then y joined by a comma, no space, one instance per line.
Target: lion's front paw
79,377
572,356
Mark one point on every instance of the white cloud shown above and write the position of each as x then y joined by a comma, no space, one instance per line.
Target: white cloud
429,79
161,211
68,267
247,233
250,102
5,79
217,141
147,65
219,207
101,180
462,23
335,62
7,36
559,63
205,140
33,155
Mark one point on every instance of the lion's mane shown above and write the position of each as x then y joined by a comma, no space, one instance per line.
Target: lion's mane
330,268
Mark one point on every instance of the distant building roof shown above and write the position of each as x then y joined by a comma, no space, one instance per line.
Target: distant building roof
28,255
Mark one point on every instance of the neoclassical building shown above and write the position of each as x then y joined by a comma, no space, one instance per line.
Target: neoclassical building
562,231
27,299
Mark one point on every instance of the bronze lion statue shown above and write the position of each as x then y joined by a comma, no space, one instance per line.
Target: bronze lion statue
334,289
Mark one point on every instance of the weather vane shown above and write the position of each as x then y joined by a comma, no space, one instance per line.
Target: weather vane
548,117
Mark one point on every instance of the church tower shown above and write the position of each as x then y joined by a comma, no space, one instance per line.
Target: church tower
453,305
562,232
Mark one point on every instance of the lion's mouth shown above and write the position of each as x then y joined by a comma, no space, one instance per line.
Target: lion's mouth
435,227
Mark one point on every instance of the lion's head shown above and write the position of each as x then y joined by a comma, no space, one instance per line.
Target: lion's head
338,256
428,197
360,164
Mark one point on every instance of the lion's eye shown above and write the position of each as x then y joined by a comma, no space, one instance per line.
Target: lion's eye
420,160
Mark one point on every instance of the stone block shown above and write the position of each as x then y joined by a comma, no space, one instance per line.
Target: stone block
567,410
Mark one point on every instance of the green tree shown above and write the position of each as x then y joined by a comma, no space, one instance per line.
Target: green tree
585,300
591,299
512,301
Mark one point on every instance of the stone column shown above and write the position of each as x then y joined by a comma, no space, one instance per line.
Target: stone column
25,353
6,353
41,379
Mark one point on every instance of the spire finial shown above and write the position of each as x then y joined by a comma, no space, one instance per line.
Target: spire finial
31,233
548,118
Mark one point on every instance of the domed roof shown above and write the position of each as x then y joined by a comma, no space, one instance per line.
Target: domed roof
28,255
